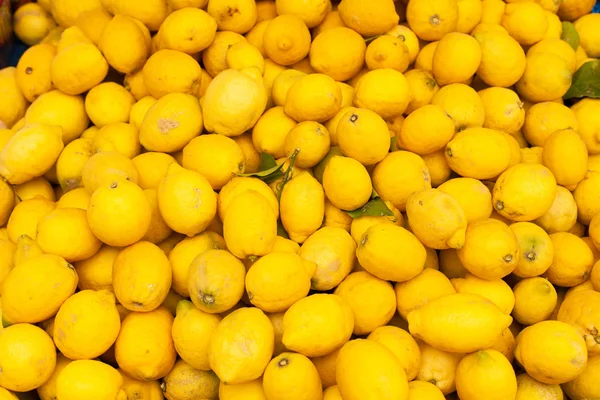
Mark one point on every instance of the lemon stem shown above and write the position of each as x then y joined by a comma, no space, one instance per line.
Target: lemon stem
287,175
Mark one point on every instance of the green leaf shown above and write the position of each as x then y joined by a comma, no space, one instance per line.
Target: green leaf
570,35
586,81
288,174
269,169
281,230
370,39
374,208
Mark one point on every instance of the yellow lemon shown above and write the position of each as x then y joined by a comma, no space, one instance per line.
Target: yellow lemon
360,225
396,188
474,197
487,373
188,29
158,230
432,20
567,359
96,327
326,367
495,290
214,56
7,201
482,323
292,375
144,348
536,249
490,250
376,256
171,123
229,355
255,38
216,281
240,20
329,315
314,97
51,280
529,388
139,110
270,132
580,310
437,219
502,59
147,390
125,43
503,109
587,34
543,119
456,58
302,207
123,225
333,251
98,170
184,382
565,154
506,345
95,273
286,39
492,11
33,188
26,216
375,19
585,196
545,84
583,386
387,51
426,130
31,23
339,62
26,248
422,88
48,390
192,330
237,186
558,47
28,357
89,378
438,367
65,232
467,113
160,78
363,365
586,114
310,140
363,135
78,68
535,199
384,91
108,103
526,22
420,290
14,103
439,170
342,173
33,71
402,345
72,162
469,15
30,152
243,55
119,137
92,23
424,390
252,390
372,300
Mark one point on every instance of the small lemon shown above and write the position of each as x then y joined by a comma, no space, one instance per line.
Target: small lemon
587,117
184,382
485,373
31,23
387,51
26,248
469,112
243,55
108,103
502,59
302,206
96,327
456,58
567,360
404,33
144,348
215,281
270,132
362,365
171,123
339,62
536,249
237,186
286,39
426,130
372,300
420,290
360,225
139,110
78,68
255,38
438,367
384,91
122,225
311,142
438,167
192,330
235,16
491,250
341,174
152,168
526,22
363,135
586,198
422,88
506,345
545,84
503,109
33,71
214,57
432,20
50,281
334,253
326,367
72,162
573,260
543,119
314,97
65,232
229,355
294,375
26,216
395,187
534,186
377,257
28,357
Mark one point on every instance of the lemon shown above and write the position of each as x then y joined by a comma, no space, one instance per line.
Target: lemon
360,225
456,58
503,110
342,173
243,55
96,328
424,390
50,278
310,140
78,68
95,273
363,135
286,39
402,345
438,367
108,103
580,310
526,23
89,378
31,23
558,47
372,301
438,167
28,357
139,110
536,249
426,130
467,113
271,130
72,162
469,15
432,20
282,83
302,207
192,329
561,146
158,230
293,375
132,387
144,348
506,345
362,364
567,360
388,51
98,170
229,355
396,188
583,386
7,201
420,290
252,390
422,87
33,71
255,38
384,91
535,199
329,315
215,281
184,382
474,197
374,252
26,216
552,83
492,11
585,112
189,30
119,137
237,186
488,373
529,388
161,81
495,290
125,43
314,97
326,367
65,232
33,188
48,389
25,248
482,323
214,56
339,62
239,21
543,119
502,59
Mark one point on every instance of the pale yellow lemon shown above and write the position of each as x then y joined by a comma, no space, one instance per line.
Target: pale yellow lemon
185,382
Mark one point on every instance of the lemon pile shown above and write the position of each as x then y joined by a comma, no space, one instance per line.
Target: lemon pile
300,200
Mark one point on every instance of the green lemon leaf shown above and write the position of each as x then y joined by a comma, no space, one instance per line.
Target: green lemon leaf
269,169
374,208
266,161
586,81
570,35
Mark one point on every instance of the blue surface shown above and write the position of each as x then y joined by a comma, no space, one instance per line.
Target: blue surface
596,8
